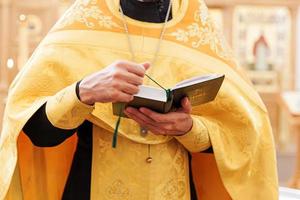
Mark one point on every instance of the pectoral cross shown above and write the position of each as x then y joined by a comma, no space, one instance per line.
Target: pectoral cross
143,131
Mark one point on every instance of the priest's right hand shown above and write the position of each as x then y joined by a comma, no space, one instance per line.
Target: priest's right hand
118,82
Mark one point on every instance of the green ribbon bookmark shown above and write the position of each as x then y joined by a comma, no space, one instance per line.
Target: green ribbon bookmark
169,94
115,135
168,91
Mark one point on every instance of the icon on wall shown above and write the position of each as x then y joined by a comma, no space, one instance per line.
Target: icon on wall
261,52
261,41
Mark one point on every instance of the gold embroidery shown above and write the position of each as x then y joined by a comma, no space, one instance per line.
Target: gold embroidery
103,146
198,140
60,97
118,190
174,189
202,13
88,13
128,176
205,33
180,159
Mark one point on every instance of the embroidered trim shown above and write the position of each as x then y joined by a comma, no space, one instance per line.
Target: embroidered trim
174,189
118,190
202,32
88,13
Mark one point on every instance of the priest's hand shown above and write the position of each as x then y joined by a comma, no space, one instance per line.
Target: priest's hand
174,123
116,83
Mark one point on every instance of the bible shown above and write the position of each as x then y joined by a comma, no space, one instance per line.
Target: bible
199,90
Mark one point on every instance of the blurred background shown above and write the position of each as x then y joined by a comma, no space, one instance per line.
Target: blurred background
264,34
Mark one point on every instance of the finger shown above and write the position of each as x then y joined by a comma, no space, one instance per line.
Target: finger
161,131
135,118
129,88
155,130
186,105
171,127
158,117
173,133
146,65
132,78
140,115
151,128
168,126
121,97
161,126
132,67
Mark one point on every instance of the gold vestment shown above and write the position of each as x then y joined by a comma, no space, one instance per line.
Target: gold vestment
91,36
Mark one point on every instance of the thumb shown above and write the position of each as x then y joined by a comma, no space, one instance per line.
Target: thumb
146,65
186,105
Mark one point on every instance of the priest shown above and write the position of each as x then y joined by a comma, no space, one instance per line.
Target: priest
58,123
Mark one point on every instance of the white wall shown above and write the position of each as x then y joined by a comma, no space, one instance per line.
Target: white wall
297,74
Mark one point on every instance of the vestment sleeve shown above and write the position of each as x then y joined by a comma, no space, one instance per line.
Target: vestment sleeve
197,139
43,133
64,110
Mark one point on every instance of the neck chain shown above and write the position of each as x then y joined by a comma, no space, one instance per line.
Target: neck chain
160,37
144,131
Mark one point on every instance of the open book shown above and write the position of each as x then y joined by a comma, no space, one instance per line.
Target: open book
199,90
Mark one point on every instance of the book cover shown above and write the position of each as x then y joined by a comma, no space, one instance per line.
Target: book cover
199,90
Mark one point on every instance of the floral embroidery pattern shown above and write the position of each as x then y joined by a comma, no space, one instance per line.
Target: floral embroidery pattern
103,146
118,190
174,189
88,13
204,34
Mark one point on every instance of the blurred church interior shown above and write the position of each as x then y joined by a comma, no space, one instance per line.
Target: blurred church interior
264,34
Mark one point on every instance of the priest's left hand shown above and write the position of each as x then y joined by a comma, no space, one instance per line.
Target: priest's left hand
173,123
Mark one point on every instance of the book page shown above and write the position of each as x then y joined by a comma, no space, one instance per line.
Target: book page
196,80
153,93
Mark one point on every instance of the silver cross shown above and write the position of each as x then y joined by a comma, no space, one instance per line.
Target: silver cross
143,131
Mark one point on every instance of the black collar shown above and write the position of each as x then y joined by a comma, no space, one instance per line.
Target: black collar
152,11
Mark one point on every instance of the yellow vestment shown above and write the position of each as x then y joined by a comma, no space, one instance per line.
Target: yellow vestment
91,36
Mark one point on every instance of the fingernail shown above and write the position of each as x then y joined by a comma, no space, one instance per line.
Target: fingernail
142,66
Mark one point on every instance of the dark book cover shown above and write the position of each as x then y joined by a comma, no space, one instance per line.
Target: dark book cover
199,90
